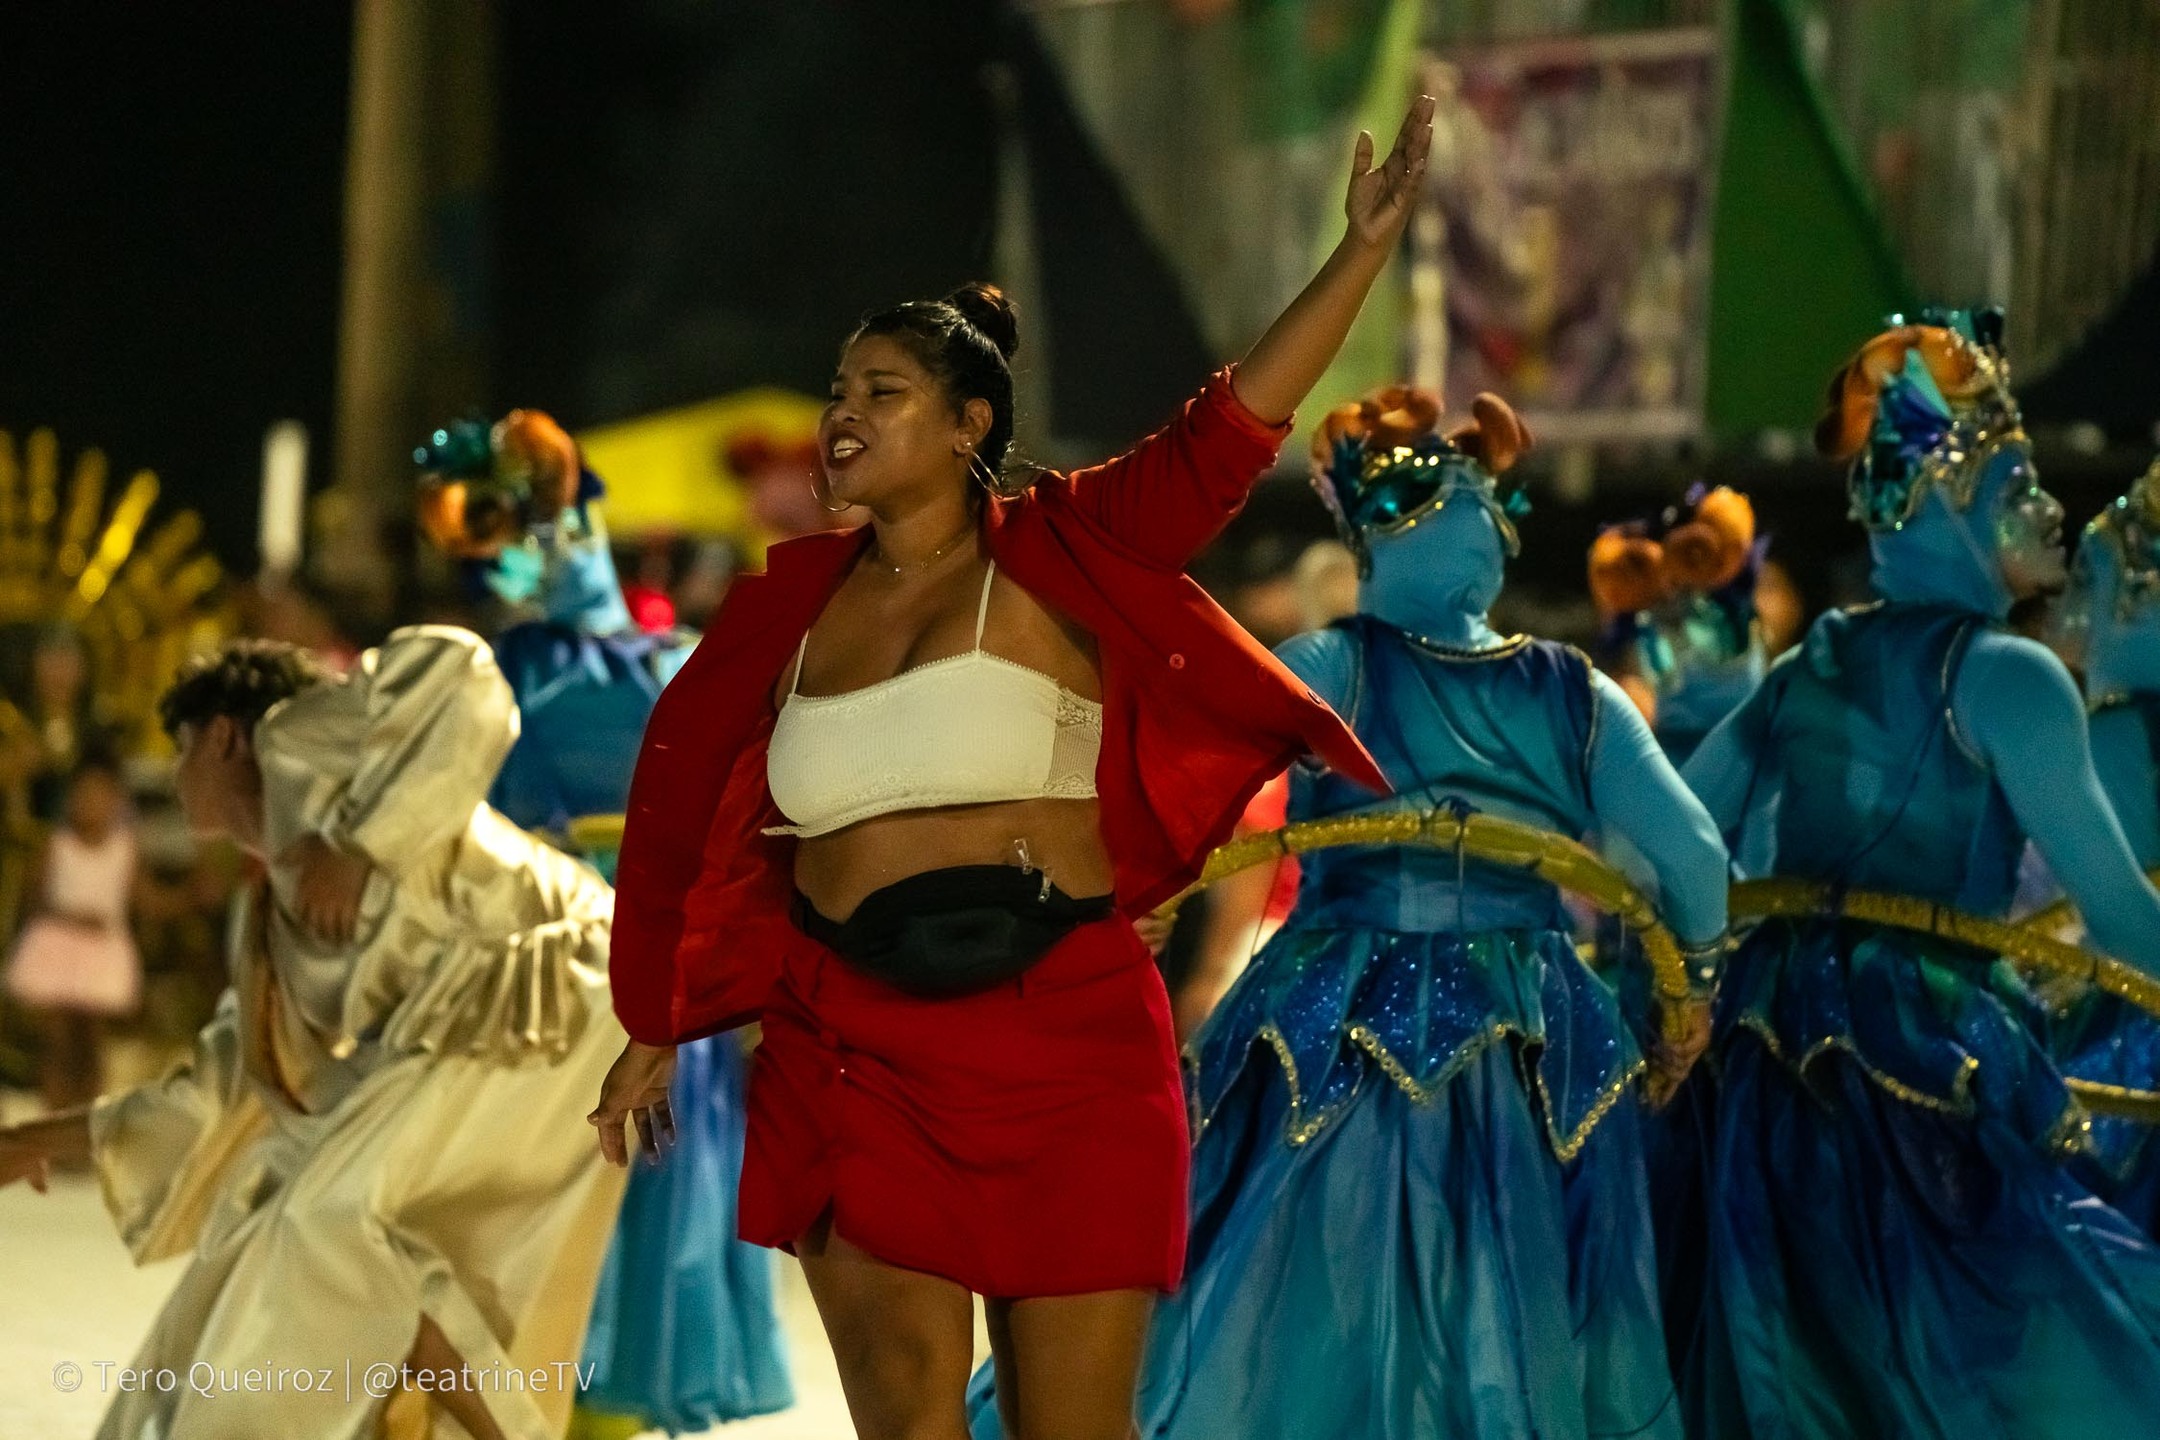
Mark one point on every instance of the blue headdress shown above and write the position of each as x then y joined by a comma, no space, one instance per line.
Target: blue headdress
1381,465
500,482
1924,406
1679,586
513,501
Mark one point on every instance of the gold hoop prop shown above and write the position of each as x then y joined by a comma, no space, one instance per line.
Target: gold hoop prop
2050,918
2118,1102
1553,858
1801,899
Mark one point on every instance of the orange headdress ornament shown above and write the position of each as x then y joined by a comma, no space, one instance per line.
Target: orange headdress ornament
1698,548
483,487
1919,407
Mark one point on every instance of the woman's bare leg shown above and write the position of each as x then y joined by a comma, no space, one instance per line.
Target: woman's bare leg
1067,1365
68,1074
905,1341
432,1350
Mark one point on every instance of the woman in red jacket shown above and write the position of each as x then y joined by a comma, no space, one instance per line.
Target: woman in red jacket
899,807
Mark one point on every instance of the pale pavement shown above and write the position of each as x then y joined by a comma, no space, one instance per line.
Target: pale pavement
69,1295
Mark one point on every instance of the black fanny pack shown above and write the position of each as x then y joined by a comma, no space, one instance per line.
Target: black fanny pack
951,932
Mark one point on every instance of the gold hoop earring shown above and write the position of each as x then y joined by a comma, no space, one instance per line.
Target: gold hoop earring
828,509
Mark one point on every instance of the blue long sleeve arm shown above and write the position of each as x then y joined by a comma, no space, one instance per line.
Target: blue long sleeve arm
1637,793
2018,706
2129,777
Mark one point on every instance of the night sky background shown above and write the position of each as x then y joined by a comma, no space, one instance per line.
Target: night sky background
171,201
689,198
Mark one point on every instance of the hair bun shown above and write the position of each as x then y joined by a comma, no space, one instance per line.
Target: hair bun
987,309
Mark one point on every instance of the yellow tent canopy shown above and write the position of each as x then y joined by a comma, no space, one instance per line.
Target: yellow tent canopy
668,473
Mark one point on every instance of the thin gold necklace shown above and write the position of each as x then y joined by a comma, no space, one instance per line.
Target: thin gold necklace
928,560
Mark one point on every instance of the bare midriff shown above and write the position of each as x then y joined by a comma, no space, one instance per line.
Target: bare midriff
1062,838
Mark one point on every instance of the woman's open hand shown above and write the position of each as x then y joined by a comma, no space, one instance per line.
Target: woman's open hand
636,1090
23,1156
1380,201
1285,363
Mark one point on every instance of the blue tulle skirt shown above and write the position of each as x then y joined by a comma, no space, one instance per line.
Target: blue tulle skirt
683,1332
1416,1269
1897,1244
2108,1040
1387,1242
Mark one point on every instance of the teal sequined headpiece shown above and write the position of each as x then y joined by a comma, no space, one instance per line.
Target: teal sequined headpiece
481,491
1923,438
2129,530
1374,488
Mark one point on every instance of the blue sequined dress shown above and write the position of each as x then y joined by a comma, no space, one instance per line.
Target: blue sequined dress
2102,1038
1418,1203
683,1333
1895,1245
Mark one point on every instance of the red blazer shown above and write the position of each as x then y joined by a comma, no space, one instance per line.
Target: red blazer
1196,715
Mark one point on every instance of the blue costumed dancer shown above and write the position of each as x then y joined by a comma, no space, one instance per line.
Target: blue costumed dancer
1418,1202
2108,625
1676,595
683,1333
1896,1246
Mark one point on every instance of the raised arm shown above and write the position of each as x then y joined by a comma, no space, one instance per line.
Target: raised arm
1168,496
2018,704
1281,369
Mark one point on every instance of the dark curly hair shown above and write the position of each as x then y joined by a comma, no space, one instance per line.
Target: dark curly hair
243,681
966,341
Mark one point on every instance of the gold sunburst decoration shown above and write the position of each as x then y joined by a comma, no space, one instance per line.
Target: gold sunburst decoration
141,596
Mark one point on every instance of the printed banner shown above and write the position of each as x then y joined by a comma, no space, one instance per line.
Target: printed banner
1562,255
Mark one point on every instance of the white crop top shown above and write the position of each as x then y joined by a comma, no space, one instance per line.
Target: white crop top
971,729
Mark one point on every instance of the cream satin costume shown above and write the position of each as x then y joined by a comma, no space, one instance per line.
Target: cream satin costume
382,1130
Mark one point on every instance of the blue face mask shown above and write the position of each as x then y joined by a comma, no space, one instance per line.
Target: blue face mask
514,575
1441,574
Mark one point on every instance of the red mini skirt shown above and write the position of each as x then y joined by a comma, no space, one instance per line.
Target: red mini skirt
1025,1140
